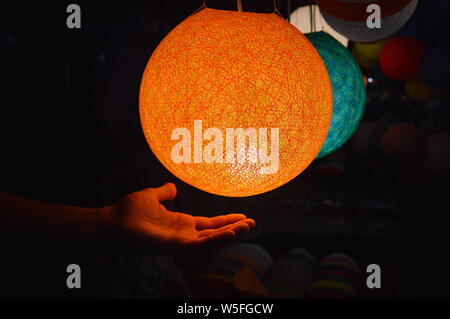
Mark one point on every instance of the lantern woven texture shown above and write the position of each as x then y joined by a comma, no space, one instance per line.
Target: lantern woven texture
236,70
349,91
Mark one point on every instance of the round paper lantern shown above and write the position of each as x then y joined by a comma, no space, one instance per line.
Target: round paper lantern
367,54
301,19
350,17
400,58
291,275
349,91
336,278
435,68
235,103
215,281
401,142
419,91
360,139
437,154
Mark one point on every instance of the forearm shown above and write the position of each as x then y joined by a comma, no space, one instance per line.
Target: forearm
23,219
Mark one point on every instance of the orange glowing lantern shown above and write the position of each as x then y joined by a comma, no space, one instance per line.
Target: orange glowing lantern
235,103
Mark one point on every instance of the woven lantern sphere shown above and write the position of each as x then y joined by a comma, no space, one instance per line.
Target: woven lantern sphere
400,58
235,103
350,18
349,90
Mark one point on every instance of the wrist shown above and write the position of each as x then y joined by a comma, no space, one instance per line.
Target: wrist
106,222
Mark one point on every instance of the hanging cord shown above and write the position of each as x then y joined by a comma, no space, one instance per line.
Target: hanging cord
275,9
199,9
239,7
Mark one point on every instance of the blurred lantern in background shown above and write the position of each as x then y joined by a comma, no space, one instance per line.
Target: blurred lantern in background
401,142
308,19
350,17
349,91
400,57
360,139
224,271
435,68
337,277
235,70
419,91
367,54
436,155
291,275
375,151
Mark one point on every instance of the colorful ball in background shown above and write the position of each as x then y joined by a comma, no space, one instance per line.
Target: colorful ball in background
367,54
360,139
436,157
400,57
291,275
383,123
419,91
435,68
401,142
216,280
350,17
349,91
337,277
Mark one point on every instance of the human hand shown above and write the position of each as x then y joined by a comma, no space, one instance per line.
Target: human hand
141,217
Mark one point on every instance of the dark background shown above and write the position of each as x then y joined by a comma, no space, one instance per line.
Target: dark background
70,133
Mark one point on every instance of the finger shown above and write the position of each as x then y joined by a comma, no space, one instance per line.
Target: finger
221,236
240,228
250,222
166,192
218,221
236,227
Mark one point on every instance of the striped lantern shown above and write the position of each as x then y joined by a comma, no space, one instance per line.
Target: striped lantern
350,17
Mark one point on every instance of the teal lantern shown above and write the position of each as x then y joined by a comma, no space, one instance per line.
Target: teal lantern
349,90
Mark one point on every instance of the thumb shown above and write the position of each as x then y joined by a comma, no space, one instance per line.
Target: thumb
166,192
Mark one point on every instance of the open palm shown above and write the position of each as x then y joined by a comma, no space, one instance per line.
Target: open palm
142,216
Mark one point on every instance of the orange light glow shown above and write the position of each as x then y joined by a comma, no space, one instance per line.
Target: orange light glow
232,69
